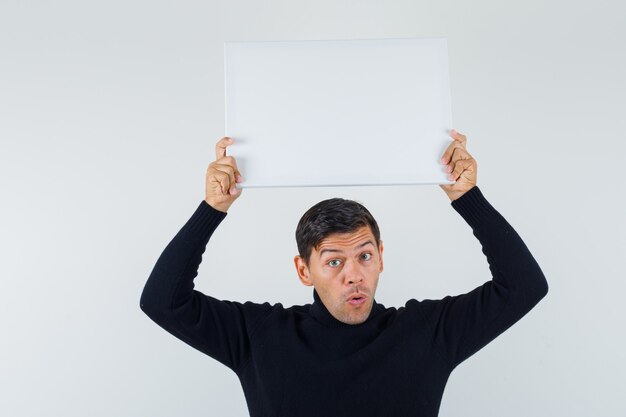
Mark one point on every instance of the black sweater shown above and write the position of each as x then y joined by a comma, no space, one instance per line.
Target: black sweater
300,361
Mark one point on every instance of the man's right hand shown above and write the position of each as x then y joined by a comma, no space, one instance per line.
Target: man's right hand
221,178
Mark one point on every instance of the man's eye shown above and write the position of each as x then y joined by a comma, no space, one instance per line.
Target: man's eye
367,256
334,262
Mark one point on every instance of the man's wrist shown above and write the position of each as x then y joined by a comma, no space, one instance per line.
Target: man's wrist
222,208
456,195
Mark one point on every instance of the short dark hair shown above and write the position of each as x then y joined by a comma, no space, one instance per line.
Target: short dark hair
335,215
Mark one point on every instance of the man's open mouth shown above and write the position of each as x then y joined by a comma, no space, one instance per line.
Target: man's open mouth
357,300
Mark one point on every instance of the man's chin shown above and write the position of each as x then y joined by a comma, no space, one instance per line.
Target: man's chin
359,317
358,321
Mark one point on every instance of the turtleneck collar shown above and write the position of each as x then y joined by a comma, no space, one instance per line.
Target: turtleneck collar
319,311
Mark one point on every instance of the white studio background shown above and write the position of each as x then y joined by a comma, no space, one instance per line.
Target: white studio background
109,112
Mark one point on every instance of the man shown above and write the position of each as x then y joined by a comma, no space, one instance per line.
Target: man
344,354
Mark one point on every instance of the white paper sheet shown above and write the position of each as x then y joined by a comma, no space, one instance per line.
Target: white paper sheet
338,112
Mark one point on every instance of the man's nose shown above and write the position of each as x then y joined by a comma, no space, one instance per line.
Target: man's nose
353,272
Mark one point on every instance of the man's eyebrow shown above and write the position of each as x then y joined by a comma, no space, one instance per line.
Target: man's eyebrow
369,242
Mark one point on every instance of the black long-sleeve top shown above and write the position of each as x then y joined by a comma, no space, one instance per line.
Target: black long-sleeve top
300,361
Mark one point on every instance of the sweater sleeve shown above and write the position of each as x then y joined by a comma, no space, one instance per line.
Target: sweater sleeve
463,324
218,328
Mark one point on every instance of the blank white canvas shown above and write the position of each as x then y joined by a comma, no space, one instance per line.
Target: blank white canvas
338,112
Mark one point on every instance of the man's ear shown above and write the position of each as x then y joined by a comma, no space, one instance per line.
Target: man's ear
303,271
381,255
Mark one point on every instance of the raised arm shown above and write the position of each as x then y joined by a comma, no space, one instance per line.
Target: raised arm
463,324
220,329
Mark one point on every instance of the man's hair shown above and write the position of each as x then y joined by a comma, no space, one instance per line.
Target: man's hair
335,215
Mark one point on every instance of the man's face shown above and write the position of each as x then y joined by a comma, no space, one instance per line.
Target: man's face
344,264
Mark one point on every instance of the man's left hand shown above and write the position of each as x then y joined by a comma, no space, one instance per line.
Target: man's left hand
460,166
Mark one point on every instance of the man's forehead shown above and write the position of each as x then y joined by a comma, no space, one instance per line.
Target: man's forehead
349,239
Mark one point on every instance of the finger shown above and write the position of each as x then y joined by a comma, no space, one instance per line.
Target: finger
458,153
230,160
220,147
221,180
460,167
228,170
448,154
459,142
458,137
